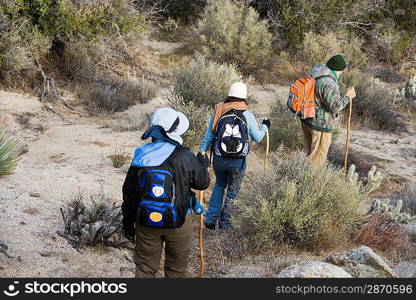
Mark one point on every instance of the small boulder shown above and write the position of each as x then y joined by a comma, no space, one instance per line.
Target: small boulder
362,262
313,269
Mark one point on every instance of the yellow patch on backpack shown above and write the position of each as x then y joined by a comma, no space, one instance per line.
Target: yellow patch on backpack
155,217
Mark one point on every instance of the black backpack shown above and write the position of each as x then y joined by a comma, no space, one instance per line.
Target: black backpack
231,136
158,205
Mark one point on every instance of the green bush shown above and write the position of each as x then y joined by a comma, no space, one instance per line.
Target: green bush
286,128
375,104
203,82
8,155
233,33
318,48
69,21
21,44
298,203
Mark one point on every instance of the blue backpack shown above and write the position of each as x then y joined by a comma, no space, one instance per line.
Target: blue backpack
231,136
157,204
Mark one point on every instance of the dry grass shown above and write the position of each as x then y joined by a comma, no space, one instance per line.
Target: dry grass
382,234
119,160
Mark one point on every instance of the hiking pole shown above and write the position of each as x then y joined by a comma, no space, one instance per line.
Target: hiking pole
201,229
266,156
347,142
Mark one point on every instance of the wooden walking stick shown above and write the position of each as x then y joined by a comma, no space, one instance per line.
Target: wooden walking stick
347,143
201,229
266,156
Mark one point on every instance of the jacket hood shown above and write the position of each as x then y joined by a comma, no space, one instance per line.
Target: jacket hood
152,154
321,70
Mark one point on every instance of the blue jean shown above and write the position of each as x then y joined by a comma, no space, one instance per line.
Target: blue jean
229,174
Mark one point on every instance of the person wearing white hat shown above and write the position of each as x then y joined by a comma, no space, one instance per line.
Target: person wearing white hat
230,127
157,196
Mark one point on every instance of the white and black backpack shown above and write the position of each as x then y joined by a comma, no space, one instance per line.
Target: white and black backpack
231,136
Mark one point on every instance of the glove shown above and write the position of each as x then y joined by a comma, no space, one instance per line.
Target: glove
203,159
129,234
266,122
196,207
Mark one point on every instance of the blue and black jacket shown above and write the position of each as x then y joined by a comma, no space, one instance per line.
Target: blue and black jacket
189,174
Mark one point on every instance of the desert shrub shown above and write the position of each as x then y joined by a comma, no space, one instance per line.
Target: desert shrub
292,19
183,10
71,21
21,44
408,196
130,123
298,203
392,45
234,33
119,159
286,128
382,234
203,82
198,122
91,220
317,49
115,96
8,155
374,105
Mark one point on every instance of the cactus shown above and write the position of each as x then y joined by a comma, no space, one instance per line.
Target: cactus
393,213
352,175
373,180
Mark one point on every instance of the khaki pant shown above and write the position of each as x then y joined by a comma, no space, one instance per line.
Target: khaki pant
149,247
316,144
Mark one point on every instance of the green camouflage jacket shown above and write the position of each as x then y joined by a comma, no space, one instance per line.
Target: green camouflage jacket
330,102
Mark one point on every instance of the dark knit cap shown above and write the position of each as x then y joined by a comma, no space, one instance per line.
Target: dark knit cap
336,63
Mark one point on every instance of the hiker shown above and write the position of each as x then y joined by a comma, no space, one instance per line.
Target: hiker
228,132
157,196
317,131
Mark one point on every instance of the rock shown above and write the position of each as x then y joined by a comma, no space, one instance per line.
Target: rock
406,270
313,269
410,229
3,247
362,262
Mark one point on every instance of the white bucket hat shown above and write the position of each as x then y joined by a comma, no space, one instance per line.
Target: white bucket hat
173,122
238,90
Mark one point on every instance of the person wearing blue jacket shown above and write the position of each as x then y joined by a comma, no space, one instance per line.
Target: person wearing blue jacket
229,168
157,196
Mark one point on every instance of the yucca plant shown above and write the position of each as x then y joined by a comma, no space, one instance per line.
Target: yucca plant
8,155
